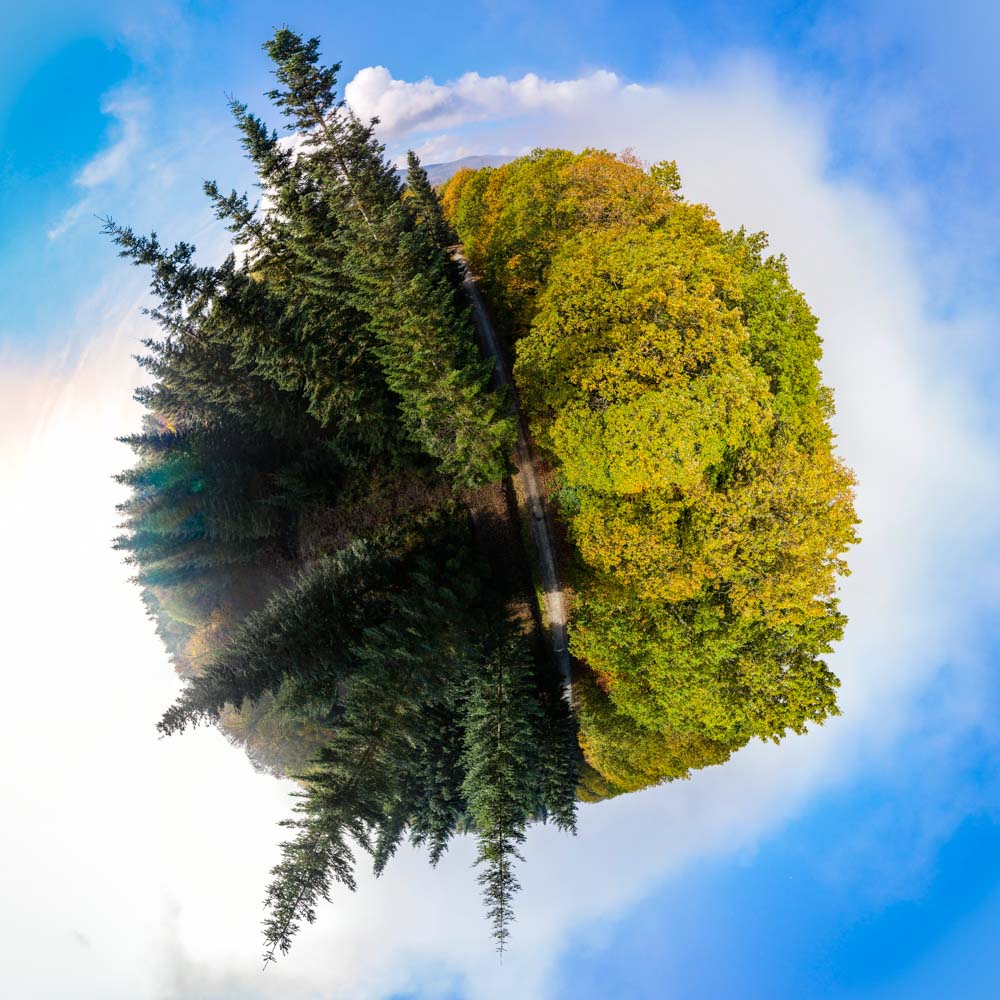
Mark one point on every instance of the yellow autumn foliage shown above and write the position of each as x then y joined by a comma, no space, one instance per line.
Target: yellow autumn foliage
669,369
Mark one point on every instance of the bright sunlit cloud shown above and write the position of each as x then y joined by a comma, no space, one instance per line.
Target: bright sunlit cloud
402,107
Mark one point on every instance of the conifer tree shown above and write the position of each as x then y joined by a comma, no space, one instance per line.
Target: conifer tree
331,355
350,607
560,760
345,297
359,786
253,349
275,740
202,509
425,204
438,807
427,352
502,772
344,800
305,631
424,339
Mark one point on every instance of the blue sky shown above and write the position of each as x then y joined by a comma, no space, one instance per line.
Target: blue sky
859,861
911,92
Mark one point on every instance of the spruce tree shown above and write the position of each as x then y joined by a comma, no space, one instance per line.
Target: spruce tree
334,353
306,631
359,787
502,772
372,599
438,807
560,761
425,204
344,800
424,338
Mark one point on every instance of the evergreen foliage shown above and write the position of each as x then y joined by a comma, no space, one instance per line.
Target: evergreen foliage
324,368
426,205
438,809
559,760
389,258
502,771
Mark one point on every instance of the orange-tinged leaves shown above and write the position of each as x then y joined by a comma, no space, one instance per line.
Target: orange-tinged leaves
670,371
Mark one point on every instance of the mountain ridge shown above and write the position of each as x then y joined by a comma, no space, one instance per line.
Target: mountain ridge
439,173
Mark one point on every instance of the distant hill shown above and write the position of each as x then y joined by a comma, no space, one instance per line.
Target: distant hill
438,173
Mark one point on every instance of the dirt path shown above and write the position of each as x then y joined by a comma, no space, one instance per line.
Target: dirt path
532,500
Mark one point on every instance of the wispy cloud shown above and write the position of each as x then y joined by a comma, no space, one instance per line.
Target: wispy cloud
129,110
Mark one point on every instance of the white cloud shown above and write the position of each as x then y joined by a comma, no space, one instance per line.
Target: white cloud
146,860
403,107
128,109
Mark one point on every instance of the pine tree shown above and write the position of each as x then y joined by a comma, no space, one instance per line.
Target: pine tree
275,740
425,204
302,632
502,772
332,354
299,369
345,297
343,802
560,760
202,512
425,347
359,786
330,622
424,339
438,807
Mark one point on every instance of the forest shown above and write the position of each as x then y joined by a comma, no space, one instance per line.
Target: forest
324,519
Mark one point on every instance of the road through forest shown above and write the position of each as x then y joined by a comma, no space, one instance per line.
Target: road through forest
530,495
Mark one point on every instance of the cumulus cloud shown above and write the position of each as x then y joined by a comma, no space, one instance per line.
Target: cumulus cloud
403,107
157,852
